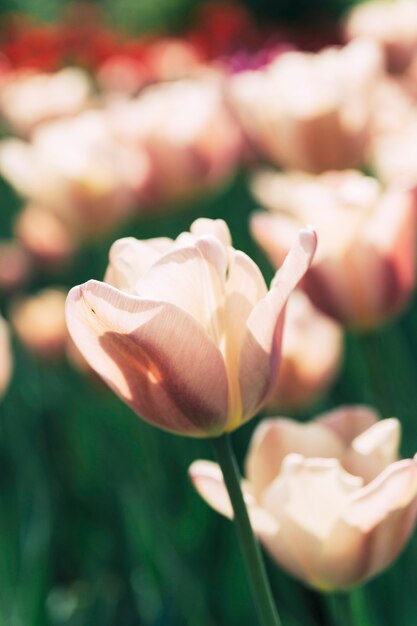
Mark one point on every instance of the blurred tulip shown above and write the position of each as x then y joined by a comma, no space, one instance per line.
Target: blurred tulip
5,357
192,140
187,333
39,322
392,24
328,499
394,154
77,169
364,270
44,236
310,111
312,349
15,266
29,98
392,109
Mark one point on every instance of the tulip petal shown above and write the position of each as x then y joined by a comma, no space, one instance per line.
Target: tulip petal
217,228
375,526
153,355
374,449
192,277
348,422
307,499
130,258
275,234
261,348
207,479
274,439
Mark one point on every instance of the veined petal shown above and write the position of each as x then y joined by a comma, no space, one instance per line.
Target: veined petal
207,479
153,355
274,439
261,347
191,277
130,258
245,286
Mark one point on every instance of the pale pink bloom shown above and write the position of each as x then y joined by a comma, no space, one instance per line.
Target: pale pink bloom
77,169
310,111
39,322
312,350
394,154
393,25
393,107
364,269
15,265
191,138
44,235
329,500
186,332
29,98
5,356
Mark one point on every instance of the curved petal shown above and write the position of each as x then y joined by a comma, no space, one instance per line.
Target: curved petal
307,499
261,347
274,439
348,422
207,479
130,258
153,355
245,287
376,524
191,277
374,450
217,228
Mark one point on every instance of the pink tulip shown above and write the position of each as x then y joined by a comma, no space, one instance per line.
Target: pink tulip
191,138
310,111
328,499
30,98
186,333
39,322
391,24
78,170
364,270
312,349
5,357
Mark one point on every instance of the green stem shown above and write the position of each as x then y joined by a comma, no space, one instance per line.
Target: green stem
261,590
341,609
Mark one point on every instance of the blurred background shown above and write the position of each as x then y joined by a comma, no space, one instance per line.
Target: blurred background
132,118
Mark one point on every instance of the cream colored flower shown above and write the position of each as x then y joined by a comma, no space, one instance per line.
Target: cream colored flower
328,499
187,332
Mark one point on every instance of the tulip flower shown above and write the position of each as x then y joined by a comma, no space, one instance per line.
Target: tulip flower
44,236
78,170
393,154
5,357
364,270
191,138
328,499
310,111
186,333
29,98
312,349
39,322
391,24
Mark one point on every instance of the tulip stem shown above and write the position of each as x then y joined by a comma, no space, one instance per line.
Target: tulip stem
249,545
342,609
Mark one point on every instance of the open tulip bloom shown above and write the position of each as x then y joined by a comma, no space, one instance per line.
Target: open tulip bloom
329,500
185,331
188,335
